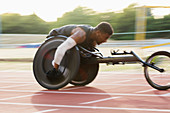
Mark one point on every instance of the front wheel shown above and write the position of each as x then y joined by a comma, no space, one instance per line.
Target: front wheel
158,80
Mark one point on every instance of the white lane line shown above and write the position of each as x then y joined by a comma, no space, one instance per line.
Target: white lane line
124,81
73,88
144,91
119,73
13,76
19,71
44,111
85,93
100,84
19,97
101,100
84,107
92,83
117,78
12,86
167,94
17,82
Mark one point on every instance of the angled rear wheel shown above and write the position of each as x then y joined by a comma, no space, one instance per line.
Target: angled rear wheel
86,74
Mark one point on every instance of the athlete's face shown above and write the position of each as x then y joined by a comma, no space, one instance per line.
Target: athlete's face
102,37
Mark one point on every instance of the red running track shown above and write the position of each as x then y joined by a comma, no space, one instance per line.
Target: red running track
108,93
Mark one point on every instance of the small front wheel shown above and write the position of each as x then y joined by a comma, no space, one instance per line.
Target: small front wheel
158,80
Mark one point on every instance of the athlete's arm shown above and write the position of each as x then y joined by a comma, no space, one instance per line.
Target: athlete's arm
78,35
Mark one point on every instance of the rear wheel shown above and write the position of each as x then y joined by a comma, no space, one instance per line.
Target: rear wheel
43,63
86,74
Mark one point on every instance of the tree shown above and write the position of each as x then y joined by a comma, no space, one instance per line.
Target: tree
121,22
15,23
80,15
125,22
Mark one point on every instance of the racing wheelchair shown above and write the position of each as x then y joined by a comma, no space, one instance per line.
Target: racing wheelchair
80,66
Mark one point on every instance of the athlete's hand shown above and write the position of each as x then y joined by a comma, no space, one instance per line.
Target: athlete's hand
53,74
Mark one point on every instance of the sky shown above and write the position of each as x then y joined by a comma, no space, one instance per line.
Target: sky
50,10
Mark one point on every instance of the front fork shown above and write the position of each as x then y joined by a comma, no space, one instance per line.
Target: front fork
147,64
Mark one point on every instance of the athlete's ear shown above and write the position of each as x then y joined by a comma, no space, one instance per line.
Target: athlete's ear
97,32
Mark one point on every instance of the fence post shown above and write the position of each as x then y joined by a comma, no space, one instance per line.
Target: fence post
140,23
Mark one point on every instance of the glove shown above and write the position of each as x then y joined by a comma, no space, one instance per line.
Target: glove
53,74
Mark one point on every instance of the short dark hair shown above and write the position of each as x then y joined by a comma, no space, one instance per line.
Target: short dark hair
105,27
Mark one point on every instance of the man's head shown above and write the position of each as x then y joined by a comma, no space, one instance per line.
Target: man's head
103,31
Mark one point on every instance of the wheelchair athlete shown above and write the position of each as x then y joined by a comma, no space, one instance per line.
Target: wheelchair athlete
83,35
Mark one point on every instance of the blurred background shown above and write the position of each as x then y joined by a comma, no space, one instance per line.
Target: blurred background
141,26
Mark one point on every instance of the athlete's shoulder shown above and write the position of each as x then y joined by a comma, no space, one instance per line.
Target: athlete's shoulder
86,28
69,26
84,25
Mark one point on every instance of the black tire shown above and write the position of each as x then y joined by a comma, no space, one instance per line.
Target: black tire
156,79
86,74
43,63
